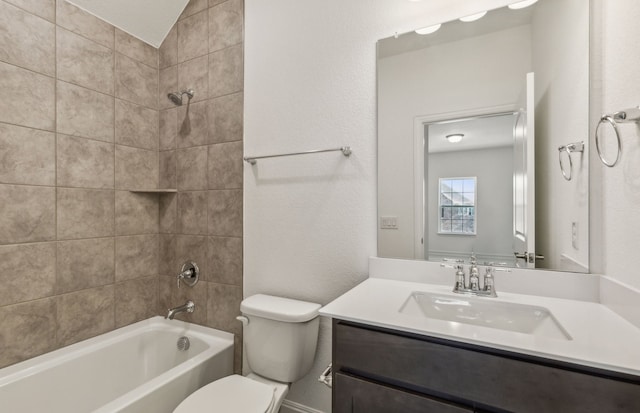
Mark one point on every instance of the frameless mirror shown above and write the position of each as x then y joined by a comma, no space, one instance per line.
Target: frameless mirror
471,117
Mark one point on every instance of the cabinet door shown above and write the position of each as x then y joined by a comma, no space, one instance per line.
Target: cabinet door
354,395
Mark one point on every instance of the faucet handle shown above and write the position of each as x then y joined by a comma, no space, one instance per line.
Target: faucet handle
190,273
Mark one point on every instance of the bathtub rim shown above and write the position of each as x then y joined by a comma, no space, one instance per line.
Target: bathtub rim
218,342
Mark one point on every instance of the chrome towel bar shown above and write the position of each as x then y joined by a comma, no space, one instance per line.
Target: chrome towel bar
569,149
346,151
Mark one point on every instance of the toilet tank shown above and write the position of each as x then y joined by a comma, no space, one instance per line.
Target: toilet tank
281,337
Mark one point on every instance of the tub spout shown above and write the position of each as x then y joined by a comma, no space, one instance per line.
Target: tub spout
188,307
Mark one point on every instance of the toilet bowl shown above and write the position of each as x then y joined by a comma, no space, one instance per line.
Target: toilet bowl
280,339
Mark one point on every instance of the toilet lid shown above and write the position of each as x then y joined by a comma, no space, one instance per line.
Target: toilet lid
232,394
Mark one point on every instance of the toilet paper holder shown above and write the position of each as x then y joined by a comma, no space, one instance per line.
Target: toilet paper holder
326,377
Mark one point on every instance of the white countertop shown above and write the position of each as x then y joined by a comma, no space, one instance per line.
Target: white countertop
600,337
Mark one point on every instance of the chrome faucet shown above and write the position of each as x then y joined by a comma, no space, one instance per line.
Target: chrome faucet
188,307
473,287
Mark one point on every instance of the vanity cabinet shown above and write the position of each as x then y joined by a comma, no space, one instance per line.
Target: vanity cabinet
380,370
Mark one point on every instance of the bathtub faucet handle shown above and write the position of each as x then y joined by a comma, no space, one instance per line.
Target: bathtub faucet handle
190,273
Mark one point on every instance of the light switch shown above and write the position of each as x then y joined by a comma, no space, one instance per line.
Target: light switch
388,222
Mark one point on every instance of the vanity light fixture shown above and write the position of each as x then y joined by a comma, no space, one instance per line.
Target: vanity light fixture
429,29
473,17
521,4
455,138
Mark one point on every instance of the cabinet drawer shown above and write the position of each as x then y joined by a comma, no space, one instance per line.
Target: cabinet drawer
354,395
475,377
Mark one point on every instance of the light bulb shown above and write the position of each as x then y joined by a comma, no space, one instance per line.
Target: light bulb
429,29
521,4
473,17
455,138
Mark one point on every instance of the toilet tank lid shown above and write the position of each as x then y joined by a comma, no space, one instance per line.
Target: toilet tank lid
279,308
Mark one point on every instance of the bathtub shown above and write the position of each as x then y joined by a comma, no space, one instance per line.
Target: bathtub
137,368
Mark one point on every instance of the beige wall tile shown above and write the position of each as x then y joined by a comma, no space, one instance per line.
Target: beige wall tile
136,125
27,330
225,24
226,71
167,172
85,264
168,213
136,256
85,314
192,212
225,165
43,8
192,36
79,21
136,82
192,168
194,74
27,214
225,118
168,128
168,52
223,306
192,125
32,101
36,266
27,156
167,264
214,2
225,213
192,248
27,40
136,213
168,83
193,7
136,49
134,298
84,163
84,112
96,70
85,213
136,168
225,260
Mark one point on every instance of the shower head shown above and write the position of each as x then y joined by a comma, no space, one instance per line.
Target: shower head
176,97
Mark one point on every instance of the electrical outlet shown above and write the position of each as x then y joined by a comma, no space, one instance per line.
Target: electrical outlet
388,222
574,235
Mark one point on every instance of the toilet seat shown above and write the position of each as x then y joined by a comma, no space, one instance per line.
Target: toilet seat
231,394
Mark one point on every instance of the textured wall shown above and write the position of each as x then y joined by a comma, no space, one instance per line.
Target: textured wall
201,156
78,126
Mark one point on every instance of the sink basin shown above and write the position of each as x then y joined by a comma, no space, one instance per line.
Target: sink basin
485,312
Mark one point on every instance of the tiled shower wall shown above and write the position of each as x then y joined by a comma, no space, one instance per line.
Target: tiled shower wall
80,125
201,156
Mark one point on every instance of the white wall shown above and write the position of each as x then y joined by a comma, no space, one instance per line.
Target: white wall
621,184
494,214
474,73
561,58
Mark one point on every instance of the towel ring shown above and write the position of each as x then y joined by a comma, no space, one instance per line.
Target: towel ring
611,121
572,147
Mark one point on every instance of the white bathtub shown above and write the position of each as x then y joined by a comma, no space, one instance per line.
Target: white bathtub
137,368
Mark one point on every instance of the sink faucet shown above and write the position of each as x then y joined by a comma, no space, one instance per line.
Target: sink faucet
188,307
473,287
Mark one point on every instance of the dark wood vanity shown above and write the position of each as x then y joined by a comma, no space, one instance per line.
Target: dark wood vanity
378,370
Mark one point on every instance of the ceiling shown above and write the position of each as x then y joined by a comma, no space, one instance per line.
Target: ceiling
479,133
148,20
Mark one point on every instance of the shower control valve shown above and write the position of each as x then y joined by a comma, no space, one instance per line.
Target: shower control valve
190,273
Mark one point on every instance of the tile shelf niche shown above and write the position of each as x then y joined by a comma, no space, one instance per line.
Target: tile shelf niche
154,191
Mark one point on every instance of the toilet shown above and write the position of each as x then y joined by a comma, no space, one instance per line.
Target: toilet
280,339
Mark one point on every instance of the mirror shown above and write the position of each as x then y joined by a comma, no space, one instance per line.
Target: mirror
470,121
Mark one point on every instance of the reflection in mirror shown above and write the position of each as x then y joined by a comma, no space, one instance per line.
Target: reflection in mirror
486,104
